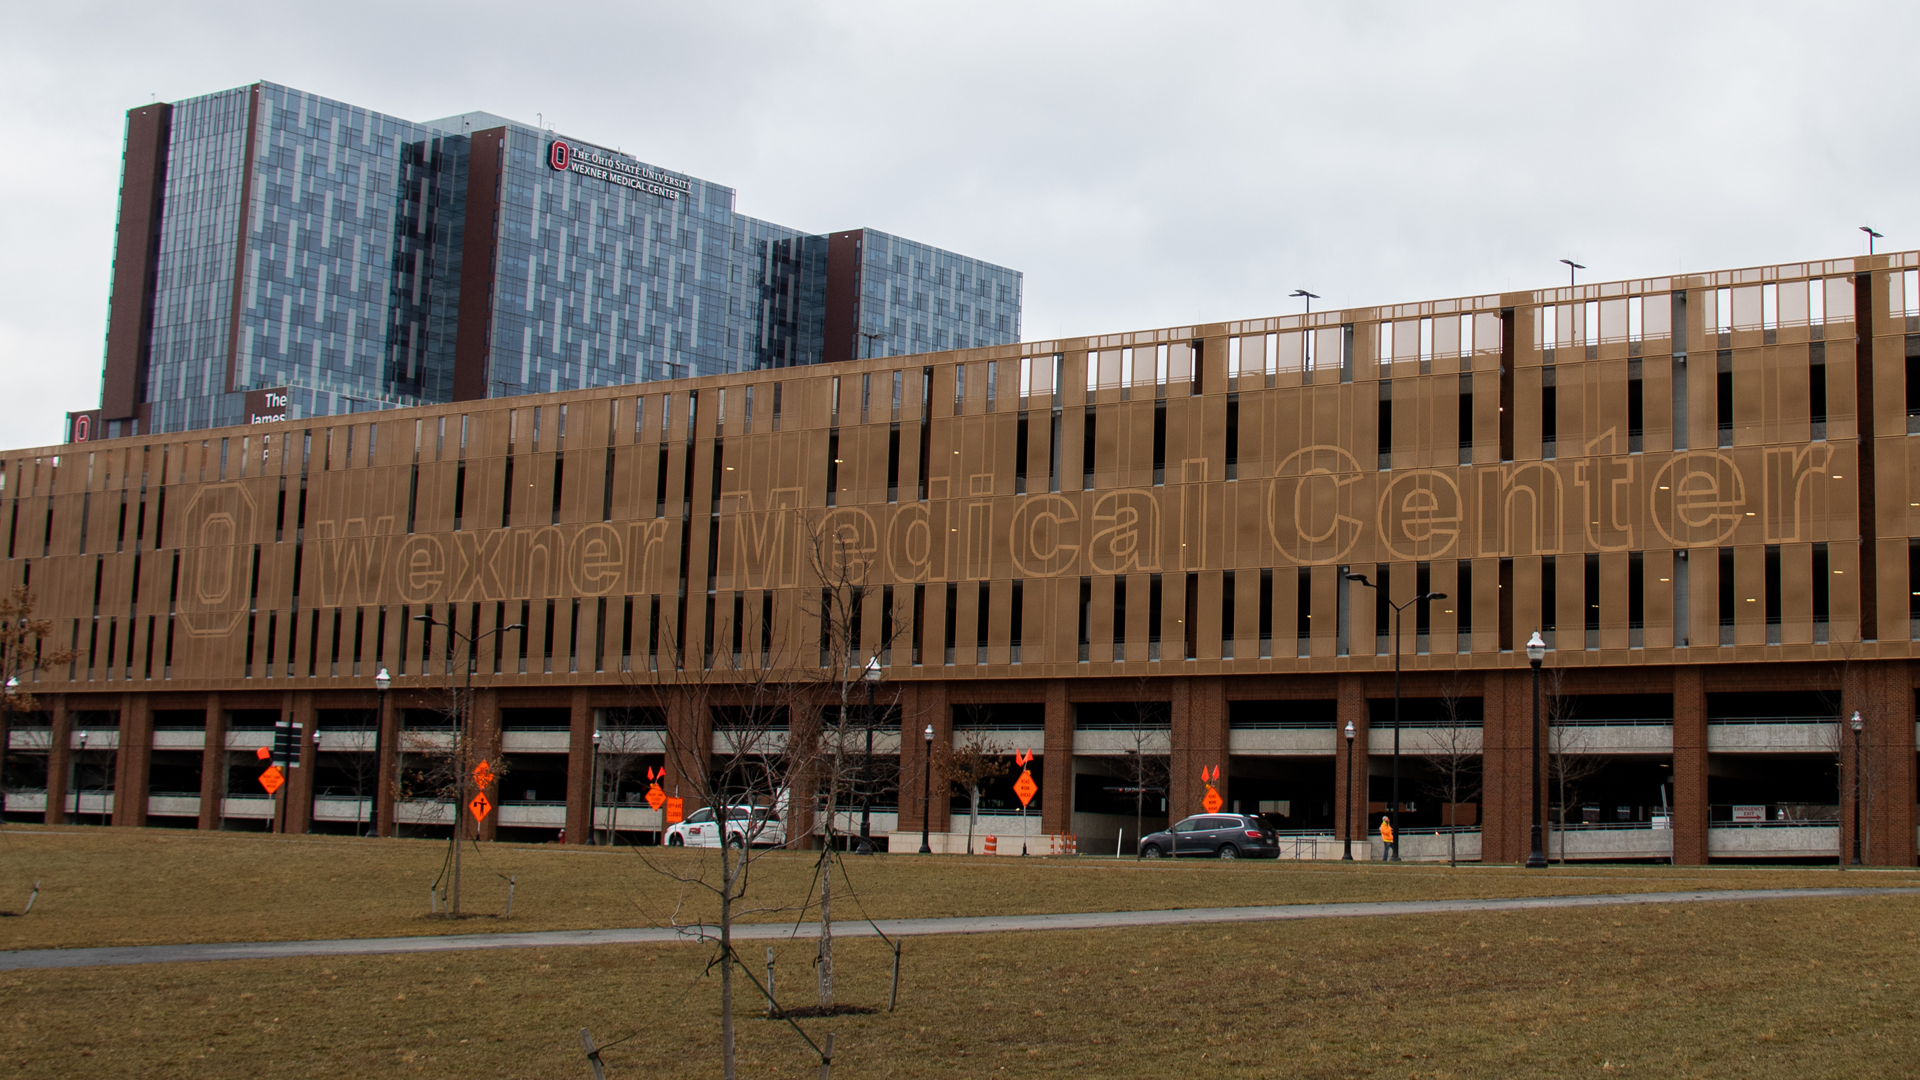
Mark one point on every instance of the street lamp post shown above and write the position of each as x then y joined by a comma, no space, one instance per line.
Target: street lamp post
78,760
869,675
12,694
461,750
1536,652
1871,236
926,790
593,793
1393,809
382,682
1857,726
1346,855
1303,294
1572,268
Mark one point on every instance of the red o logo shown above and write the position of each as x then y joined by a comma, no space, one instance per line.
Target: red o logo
560,155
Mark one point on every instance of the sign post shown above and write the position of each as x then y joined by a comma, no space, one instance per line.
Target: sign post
1212,802
1026,789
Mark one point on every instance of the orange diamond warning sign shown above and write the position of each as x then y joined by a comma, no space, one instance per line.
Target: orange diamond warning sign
1213,802
483,774
480,806
655,797
272,779
1025,787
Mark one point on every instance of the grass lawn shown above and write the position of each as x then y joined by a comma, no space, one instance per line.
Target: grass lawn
103,886
1788,989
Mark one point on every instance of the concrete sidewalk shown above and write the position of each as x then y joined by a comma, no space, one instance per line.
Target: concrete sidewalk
986,924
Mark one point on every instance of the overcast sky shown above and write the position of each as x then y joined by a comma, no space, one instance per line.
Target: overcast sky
1143,164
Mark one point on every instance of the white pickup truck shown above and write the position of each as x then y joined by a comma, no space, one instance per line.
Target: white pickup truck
759,826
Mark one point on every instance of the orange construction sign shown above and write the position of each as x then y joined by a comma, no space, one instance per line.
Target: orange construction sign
1025,787
656,797
263,753
675,811
483,774
272,779
1213,802
480,806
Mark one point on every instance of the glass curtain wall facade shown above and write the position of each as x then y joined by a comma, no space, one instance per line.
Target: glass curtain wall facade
355,261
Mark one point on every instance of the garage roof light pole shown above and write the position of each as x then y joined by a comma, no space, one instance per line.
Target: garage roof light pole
1572,267
926,789
1857,725
462,741
382,682
1307,296
1536,652
871,676
593,794
1871,237
1393,808
1346,854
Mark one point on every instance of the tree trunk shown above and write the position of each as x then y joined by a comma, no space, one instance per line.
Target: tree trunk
973,814
826,925
726,965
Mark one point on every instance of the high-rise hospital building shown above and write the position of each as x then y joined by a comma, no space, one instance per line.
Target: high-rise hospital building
282,254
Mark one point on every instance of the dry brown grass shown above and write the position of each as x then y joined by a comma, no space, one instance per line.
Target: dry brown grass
158,886
1786,989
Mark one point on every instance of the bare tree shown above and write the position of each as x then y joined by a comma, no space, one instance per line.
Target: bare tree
970,766
24,652
748,774
1454,749
436,766
1146,762
1146,765
1570,760
839,554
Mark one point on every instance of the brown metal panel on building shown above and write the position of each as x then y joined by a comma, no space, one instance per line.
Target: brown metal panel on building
242,228
136,255
1749,595
841,320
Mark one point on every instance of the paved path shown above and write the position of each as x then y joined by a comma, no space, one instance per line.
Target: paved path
984,924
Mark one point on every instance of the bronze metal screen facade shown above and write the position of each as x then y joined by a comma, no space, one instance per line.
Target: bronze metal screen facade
1674,479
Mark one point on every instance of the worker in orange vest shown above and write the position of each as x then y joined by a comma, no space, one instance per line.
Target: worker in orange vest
1386,835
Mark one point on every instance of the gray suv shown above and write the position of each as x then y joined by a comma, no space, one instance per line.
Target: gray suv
1223,836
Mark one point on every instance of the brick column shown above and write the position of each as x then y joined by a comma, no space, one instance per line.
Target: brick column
1184,791
132,762
299,787
1056,795
485,732
580,766
803,729
1690,814
1891,773
922,705
59,761
387,770
1506,710
1201,731
213,763
1350,807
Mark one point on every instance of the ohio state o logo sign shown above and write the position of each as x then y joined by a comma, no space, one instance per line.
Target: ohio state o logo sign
559,155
